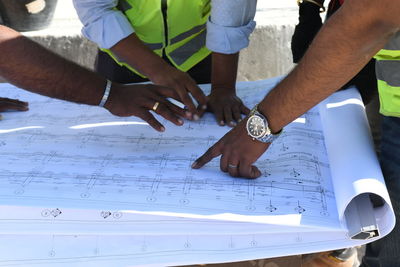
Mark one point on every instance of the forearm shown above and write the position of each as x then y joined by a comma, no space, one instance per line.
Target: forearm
224,71
343,46
228,30
134,52
30,66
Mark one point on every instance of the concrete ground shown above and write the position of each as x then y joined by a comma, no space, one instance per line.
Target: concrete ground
293,261
267,56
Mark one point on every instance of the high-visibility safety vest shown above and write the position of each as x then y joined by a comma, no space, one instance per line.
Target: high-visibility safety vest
176,28
388,75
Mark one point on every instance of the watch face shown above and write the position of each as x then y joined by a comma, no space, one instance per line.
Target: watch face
256,126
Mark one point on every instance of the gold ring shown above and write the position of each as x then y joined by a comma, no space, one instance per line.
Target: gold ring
156,106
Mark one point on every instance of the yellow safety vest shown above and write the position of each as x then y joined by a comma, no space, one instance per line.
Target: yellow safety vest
176,28
388,75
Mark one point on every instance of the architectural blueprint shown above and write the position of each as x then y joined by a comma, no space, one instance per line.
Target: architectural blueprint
74,174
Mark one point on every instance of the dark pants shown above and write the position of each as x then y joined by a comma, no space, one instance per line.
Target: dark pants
108,68
385,252
366,83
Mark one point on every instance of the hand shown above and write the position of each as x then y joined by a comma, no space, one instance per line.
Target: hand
12,104
134,52
226,106
183,84
239,151
138,100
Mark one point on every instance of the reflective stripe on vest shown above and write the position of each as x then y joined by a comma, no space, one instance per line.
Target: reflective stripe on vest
183,53
388,75
183,37
154,46
388,71
189,33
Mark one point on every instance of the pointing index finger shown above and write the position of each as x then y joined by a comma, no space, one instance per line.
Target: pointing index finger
211,153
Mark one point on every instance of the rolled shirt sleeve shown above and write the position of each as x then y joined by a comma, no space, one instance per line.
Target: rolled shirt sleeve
230,25
102,24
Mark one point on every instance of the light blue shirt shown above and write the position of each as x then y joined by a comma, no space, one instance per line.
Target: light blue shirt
230,25
228,29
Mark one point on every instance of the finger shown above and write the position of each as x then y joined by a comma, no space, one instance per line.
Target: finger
185,98
223,163
149,118
164,108
248,170
233,167
201,111
16,101
237,115
172,94
211,153
175,109
165,112
198,94
228,116
219,115
255,172
6,105
245,110
168,92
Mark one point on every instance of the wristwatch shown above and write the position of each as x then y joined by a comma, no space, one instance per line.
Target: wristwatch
257,127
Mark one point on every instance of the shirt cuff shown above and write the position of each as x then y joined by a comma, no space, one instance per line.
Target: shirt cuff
228,40
109,30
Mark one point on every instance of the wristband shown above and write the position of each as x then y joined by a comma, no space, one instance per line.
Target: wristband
106,93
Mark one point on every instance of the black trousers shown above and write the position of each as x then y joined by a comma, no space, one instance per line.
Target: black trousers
107,67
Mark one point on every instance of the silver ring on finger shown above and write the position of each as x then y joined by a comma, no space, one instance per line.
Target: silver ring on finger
232,166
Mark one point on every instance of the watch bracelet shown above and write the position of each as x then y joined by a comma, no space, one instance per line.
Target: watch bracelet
272,136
